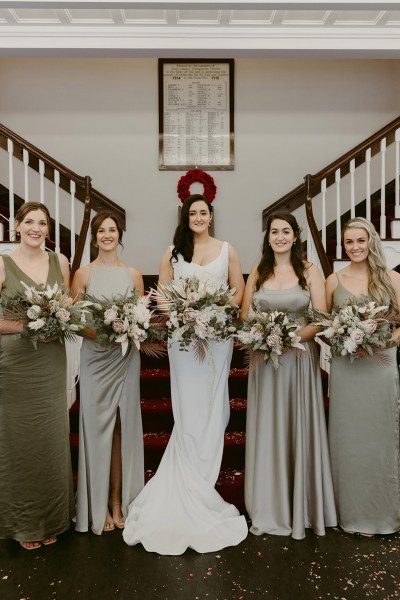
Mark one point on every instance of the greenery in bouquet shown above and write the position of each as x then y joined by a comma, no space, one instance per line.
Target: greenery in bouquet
268,334
360,324
48,313
198,311
127,320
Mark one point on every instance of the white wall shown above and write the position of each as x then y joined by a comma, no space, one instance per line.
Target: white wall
100,117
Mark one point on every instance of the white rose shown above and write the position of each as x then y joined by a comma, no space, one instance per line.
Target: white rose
110,315
357,336
33,312
35,325
63,315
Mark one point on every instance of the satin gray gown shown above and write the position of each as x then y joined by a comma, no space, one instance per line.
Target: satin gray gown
364,439
108,381
288,484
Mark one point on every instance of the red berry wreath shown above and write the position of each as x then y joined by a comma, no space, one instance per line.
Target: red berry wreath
183,189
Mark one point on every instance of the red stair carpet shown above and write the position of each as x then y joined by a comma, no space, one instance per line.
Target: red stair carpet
158,423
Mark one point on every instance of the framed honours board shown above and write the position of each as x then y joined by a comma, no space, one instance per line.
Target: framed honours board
196,114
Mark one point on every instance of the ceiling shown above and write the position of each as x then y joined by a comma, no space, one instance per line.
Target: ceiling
352,29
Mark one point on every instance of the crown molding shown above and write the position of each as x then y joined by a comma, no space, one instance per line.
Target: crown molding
208,5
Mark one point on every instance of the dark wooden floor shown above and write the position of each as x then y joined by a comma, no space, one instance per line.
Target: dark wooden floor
88,567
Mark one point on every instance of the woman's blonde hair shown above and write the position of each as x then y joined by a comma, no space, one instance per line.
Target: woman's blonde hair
380,287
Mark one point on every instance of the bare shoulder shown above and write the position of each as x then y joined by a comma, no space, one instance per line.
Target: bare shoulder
167,255
82,274
331,282
63,260
135,272
311,268
232,252
394,277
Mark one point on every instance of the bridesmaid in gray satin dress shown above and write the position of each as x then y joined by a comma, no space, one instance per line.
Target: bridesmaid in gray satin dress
288,484
364,397
111,464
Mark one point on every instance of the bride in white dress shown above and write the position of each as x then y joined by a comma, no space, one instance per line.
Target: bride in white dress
179,507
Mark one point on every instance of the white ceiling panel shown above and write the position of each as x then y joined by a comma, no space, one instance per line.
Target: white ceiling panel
136,16
351,28
90,17
30,16
305,17
198,17
251,17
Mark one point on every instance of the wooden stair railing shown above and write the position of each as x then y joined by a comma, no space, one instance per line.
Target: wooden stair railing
90,197
305,192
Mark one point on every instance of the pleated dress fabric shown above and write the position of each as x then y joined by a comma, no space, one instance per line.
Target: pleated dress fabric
364,439
108,381
36,498
179,507
288,483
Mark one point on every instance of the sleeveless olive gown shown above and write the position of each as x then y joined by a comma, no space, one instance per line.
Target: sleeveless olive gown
179,507
288,484
108,381
364,439
36,498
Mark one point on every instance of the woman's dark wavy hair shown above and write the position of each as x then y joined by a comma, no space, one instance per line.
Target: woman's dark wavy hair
97,222
183,238
266,265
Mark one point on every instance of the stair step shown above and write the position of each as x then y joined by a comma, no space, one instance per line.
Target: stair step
230,485
155,444
157,415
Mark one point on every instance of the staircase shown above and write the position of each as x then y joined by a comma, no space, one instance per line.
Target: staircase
28,173
158,422
364,182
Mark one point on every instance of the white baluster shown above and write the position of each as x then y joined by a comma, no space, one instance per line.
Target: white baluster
338,215
383,189
352,189
10,150
25,155
323,216
1,232
368,183
41,180
397,188
72,188
57,209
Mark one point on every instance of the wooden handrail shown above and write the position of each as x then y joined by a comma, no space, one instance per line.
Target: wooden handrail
84,228
297,197
98,200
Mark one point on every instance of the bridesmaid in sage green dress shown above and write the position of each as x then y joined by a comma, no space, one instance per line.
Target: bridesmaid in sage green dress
111,463
288,485
36,499
364,397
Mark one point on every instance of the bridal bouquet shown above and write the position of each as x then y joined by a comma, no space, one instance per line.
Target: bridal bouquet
358,324
267,334
127,320
199,311
49,313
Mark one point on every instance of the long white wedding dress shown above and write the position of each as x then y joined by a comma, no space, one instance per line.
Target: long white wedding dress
179,507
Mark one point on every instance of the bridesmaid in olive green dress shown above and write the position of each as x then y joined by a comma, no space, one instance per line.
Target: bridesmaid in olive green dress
364,397
36,500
